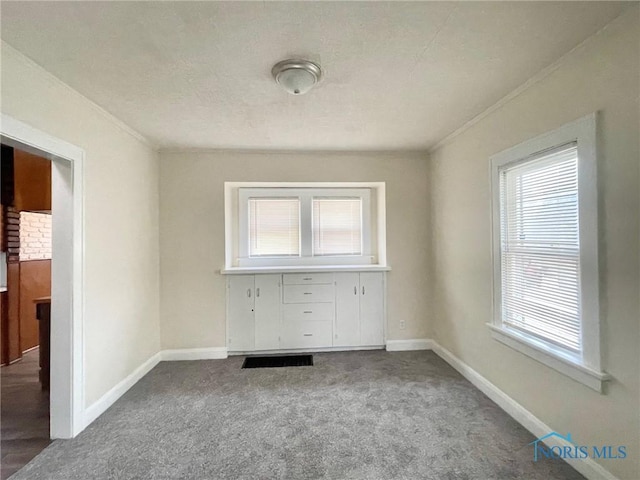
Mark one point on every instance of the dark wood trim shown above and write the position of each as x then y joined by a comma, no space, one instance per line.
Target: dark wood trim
6,174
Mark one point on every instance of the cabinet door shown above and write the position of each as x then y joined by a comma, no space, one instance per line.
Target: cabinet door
240,313
347,326
267,312
371,308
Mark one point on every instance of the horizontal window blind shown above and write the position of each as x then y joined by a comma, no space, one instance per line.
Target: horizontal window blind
337,226
274,227
540,247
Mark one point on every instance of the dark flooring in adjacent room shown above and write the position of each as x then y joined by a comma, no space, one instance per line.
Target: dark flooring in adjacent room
356,415
24,414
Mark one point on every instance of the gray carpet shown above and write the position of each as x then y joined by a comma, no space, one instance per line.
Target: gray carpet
356,415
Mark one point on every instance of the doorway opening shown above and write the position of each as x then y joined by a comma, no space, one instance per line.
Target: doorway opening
66,366
25,300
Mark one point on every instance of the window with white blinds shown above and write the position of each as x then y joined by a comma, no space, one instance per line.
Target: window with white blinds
295,226
540,247
274,227
337,226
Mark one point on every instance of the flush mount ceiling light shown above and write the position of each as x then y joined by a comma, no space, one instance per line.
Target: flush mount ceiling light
296,76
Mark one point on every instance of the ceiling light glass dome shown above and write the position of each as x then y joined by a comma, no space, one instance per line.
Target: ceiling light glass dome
296,76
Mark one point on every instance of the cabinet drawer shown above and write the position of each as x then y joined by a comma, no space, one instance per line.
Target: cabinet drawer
308,293
307,278
301,312
306,334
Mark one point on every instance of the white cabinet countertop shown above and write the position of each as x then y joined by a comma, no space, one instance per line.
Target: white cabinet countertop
306,269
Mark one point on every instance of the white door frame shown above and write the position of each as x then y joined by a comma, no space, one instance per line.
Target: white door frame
67,271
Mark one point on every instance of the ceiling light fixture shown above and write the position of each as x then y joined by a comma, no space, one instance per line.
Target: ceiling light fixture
296,76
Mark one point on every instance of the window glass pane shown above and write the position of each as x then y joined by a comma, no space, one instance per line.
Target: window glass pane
540,247
274,227
337,226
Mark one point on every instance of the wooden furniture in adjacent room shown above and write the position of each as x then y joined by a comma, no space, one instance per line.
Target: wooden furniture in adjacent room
4,327
43,314
35,282
26,186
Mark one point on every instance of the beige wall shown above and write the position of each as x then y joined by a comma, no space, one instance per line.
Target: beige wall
121,219
192,232
602,75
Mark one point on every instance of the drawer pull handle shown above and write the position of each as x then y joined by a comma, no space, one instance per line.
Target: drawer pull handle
363,289
308,311
307,334
249,292
258,292
308,293
355,290
307,278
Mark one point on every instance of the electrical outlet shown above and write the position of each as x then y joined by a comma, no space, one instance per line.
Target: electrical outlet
402,325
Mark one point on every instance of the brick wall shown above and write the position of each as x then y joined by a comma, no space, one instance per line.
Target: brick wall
35,236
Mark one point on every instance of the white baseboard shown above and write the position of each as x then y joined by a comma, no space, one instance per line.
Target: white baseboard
306,350
405,345
213,353
109,398
587,467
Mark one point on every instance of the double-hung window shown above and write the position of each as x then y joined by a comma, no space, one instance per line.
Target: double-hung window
540,249
337,225
274,226
303,225
545,250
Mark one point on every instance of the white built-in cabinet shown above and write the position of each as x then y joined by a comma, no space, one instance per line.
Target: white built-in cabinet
359,309
253,302
294,311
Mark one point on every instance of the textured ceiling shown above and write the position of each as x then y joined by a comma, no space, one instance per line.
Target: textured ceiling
396,75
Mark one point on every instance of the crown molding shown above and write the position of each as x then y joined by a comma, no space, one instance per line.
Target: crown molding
538,77
21,57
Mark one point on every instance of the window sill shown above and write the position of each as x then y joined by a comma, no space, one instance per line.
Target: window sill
306,269
565,365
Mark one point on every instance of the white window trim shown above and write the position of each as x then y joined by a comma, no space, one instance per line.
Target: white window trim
377,204
585,368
